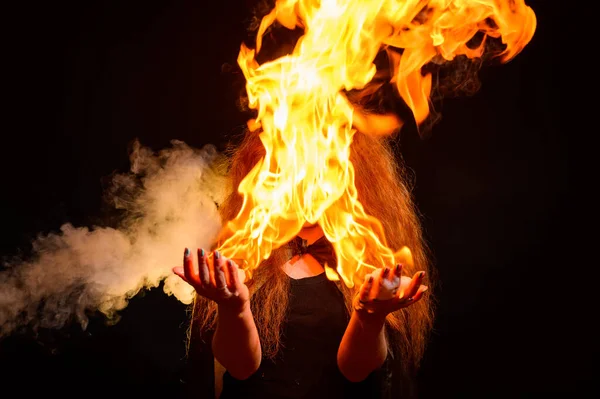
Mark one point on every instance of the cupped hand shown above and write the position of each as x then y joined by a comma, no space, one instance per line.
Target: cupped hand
387,290
216,278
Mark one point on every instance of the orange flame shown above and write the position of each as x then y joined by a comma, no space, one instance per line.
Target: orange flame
307,122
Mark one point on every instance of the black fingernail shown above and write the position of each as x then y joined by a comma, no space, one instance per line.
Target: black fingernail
386,271
398,270
422,274
217,255
370,279
187,252
229,262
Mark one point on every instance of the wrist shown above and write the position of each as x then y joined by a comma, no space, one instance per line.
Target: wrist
235,309
364,315
367,313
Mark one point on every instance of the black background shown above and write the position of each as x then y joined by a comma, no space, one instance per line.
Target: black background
86,78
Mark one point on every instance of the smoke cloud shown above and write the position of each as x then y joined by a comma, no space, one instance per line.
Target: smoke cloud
169,201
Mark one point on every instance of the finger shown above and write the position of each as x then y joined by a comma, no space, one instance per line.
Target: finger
396,279
203,268
385,274
392,275
225,268
420,293
365,290
220,280
398,270
241,274
414,284
178,270
234,279
210,265
188,269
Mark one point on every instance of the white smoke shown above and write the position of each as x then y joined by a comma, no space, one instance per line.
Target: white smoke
170,202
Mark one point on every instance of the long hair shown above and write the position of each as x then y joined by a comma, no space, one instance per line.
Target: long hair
382,188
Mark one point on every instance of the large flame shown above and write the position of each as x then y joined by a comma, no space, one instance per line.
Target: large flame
307,123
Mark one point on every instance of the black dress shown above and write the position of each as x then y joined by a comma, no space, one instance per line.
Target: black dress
306,366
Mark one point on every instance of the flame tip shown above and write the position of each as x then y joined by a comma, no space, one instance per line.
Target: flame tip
306,123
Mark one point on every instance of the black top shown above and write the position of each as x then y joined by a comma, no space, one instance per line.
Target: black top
306,366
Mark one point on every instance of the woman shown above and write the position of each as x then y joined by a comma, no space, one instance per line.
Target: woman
291,332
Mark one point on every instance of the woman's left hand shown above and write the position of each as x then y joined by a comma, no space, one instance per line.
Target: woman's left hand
386,290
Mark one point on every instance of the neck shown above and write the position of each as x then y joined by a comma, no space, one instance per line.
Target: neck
311,233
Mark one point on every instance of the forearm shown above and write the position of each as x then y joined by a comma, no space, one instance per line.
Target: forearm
236,344
363,348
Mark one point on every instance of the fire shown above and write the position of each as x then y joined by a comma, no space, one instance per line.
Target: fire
306,123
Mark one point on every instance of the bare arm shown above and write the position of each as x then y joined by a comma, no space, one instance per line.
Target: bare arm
364,347
235,344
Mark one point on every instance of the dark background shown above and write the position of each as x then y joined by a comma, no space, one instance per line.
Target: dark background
86,78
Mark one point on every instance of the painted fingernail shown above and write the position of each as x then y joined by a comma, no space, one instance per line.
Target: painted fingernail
187,252
410,299
202,252
398,270
230,262
386,271
422,275
217,255
370,279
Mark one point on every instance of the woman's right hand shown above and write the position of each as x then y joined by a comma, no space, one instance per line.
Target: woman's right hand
216,278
